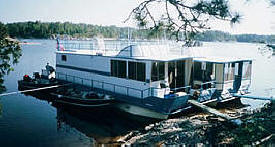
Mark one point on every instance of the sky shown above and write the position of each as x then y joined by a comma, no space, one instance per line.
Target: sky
257,15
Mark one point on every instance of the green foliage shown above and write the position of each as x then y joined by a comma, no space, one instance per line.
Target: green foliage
45,30
10,53
182,16
3,31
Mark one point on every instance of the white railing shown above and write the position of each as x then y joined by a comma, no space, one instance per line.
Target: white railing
114,88
117,45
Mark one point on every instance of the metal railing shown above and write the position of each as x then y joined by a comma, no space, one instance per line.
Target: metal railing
181,89
207,85
78,46
117,45
117,89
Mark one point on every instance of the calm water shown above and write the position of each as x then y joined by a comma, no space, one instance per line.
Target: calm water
28,121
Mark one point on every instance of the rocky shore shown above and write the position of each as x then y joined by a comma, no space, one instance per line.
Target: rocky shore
256,127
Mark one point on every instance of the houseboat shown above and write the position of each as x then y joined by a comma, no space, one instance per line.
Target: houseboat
152,80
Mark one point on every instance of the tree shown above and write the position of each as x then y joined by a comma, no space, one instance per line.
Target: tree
10,53
182,16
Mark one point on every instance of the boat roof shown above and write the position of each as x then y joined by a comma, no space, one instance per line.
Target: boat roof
162,52
221,59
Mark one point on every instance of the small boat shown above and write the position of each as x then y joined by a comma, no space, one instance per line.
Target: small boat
75,97
272,46
37,81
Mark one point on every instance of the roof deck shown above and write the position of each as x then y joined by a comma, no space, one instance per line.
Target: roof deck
221,59
157,51
145,50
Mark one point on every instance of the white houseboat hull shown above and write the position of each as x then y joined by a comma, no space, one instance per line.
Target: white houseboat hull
140,111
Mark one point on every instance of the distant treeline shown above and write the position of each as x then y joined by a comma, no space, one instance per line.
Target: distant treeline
46,30
223,36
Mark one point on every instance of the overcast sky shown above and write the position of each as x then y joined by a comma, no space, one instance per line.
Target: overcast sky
257,15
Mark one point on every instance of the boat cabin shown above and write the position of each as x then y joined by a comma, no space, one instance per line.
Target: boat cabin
225,74
137,70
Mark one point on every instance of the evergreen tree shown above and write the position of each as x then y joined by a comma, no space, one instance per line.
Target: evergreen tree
10,53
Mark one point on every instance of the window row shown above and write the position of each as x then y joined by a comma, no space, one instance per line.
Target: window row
136,70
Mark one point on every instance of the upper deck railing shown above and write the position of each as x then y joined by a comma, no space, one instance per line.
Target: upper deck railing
117,45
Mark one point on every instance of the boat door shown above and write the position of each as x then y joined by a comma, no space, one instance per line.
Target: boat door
238,76
176,74
171,74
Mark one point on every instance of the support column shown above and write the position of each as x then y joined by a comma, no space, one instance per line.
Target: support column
166,72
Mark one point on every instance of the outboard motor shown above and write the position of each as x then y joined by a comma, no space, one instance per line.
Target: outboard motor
36,75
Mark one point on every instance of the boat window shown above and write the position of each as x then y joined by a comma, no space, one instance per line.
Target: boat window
136,71
113,68
229,71
197,71
121,69
157,73
141,72
132,70
118,68
203,71
247,70
64,58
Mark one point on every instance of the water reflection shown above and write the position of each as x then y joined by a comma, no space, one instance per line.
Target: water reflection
101,125
0,108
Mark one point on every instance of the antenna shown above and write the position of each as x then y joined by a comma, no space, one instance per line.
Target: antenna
165,35
129,36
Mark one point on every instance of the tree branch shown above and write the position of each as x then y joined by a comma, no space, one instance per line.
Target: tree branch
191,17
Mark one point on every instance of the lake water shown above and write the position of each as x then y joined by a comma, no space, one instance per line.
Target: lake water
28,121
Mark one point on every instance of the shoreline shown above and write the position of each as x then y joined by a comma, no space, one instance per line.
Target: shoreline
208,130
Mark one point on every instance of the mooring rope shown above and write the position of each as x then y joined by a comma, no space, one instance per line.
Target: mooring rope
31,90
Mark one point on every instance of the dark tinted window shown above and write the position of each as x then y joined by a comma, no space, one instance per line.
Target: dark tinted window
118,68
121,71
157,72
136,71
141,72
113,68
64,58
132,70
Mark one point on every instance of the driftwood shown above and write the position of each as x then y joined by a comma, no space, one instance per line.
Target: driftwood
273,109
263,140
210,110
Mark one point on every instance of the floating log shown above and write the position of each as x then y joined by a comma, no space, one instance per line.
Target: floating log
255,97
210,110
32,90
262,140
